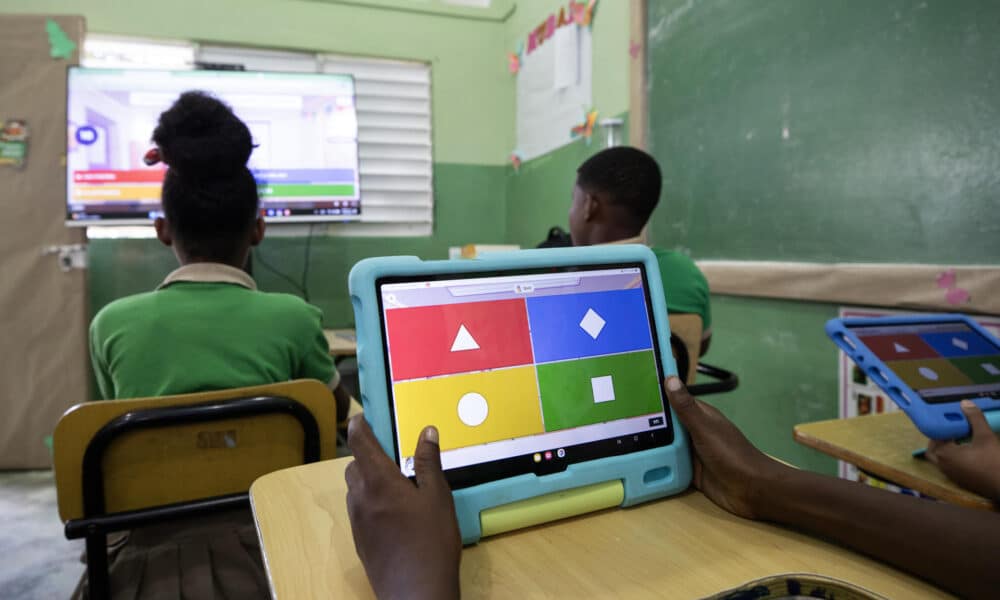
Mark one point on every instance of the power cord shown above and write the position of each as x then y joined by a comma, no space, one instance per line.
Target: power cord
305,263
302,286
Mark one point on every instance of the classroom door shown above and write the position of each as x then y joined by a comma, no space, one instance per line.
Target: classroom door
43,297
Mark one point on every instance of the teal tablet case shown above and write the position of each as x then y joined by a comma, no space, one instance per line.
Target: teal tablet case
644,475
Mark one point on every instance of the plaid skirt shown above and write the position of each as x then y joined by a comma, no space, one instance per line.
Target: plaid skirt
216,557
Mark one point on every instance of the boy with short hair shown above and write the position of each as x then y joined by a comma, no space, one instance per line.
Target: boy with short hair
615,193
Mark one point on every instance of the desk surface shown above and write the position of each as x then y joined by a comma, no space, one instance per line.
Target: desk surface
883,446
342,342
682,547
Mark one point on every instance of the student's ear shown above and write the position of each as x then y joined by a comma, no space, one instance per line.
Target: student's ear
591,207
257,234
163,232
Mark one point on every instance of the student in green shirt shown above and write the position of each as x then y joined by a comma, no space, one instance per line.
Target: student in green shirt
616,191
206,327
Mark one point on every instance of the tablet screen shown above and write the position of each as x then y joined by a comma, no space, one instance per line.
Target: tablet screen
525,372
943,362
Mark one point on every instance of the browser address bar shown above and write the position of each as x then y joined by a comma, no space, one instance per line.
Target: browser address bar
525,287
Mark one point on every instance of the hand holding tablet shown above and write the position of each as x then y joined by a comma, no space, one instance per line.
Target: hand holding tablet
541,369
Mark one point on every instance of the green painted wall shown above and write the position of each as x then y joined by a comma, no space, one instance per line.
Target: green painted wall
852,131
787,369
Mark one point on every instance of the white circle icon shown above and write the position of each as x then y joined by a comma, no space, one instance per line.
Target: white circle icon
473,409
928,373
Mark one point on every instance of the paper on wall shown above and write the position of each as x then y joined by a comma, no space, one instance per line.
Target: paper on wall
546,114
567,57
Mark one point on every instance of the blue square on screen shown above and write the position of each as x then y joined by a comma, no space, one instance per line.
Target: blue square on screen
959,343
591,324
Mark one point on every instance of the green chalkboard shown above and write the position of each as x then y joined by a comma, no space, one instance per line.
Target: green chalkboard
827,130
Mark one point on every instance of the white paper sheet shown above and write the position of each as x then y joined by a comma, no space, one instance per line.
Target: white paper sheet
567,57
546,114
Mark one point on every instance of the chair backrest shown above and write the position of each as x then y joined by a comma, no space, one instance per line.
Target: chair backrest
178,463
687,328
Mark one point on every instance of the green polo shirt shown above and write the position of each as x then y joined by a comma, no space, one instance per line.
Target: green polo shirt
684,285
206,328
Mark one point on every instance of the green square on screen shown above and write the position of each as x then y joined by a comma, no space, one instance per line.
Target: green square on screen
980,369
596,390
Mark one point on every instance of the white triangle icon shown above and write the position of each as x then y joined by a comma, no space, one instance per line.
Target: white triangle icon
464,341
900,348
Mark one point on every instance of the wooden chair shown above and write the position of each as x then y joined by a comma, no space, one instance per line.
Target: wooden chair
685,342
123,464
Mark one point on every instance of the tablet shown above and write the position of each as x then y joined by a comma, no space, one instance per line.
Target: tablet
926,364
542,370
525,371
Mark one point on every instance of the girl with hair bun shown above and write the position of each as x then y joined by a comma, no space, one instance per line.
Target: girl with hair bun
206,327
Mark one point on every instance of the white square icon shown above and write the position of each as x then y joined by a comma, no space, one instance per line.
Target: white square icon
592,323
604,389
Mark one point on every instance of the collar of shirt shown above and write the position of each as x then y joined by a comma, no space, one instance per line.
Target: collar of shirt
209,273
632,240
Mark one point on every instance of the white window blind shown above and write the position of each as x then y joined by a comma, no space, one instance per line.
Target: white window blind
394,137
393,100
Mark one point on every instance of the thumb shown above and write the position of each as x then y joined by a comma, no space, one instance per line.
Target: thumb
977,421
427,459
934,448
682,402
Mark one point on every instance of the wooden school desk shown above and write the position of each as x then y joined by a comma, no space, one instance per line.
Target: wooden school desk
342,342
883,445
680,547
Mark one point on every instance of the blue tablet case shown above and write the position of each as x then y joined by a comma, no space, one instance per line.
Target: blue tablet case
937,421
644,475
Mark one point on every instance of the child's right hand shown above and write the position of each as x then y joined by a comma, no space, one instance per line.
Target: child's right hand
406,533
976,465
728,469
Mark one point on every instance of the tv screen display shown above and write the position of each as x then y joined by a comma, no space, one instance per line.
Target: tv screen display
304,126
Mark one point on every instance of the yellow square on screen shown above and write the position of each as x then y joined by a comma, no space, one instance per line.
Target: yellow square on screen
469,409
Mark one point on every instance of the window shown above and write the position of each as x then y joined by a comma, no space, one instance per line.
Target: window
393,100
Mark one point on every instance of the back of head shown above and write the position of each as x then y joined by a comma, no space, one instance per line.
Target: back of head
627,177
209,197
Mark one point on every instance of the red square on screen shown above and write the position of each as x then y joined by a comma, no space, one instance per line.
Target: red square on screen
425,341
904,346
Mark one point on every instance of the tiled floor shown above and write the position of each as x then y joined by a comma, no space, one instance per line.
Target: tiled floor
36,560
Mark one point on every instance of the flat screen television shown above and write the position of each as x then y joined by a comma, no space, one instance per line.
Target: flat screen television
305,127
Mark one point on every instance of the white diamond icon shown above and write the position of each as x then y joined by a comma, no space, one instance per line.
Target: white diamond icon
592,323
960,343
990,368
901,348
464,341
